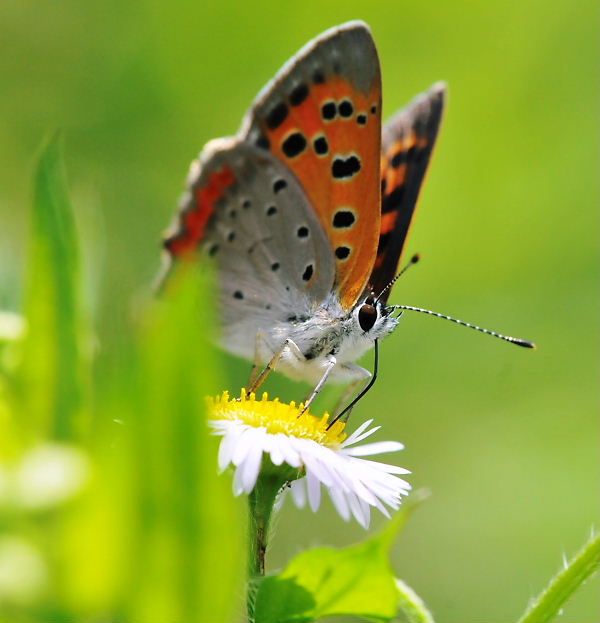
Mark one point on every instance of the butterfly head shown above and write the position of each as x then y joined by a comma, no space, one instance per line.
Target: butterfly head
374,318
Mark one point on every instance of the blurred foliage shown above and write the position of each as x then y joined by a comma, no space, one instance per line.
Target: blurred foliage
123,518
508,230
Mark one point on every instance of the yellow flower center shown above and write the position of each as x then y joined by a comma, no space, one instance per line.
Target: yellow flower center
276,417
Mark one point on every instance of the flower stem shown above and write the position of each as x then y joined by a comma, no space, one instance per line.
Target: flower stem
260,507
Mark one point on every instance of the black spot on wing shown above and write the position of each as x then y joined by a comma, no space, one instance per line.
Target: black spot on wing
318,77
302,232
308,273
342,253
294,145
345,109
277,116
298,95
345,168
343,219
321,146
279,185
329,111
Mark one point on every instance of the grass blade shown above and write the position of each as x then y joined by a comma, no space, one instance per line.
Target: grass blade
51,381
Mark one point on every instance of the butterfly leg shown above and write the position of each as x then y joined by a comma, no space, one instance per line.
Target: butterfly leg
345,397
288,345
330,364
259,342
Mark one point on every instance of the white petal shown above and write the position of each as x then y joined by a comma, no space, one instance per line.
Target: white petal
238,487
318,469
366,434
299,492
381,508
353,479
266,441
276,454
381,486
366,509
340,503
385,467
352,439
356,509
314,491
226,448
250,468
243,446
290,454
220,427
379,447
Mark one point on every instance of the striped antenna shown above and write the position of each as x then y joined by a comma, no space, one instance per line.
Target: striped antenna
413,260
507,338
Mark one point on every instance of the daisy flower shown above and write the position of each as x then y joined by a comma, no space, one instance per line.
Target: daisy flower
270,437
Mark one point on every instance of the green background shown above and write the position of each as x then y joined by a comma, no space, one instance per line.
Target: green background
505,439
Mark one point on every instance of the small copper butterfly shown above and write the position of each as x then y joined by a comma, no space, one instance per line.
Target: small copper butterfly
307,210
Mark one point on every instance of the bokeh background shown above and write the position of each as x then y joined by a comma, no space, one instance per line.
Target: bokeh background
505,439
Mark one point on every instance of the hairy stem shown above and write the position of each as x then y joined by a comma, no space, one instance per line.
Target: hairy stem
562,586
260,509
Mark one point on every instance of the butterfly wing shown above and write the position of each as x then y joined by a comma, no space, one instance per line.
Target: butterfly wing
408,140
321,117
245,209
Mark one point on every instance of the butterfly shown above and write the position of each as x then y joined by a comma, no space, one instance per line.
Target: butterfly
306,212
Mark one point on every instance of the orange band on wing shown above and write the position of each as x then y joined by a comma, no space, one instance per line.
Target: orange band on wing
193,222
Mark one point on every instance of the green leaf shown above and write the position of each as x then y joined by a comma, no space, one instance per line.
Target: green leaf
564,584
51,373
356,580
412,605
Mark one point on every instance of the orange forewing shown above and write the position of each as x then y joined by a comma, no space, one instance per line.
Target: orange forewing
355,135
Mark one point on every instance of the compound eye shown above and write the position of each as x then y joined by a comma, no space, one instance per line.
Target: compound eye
367,315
